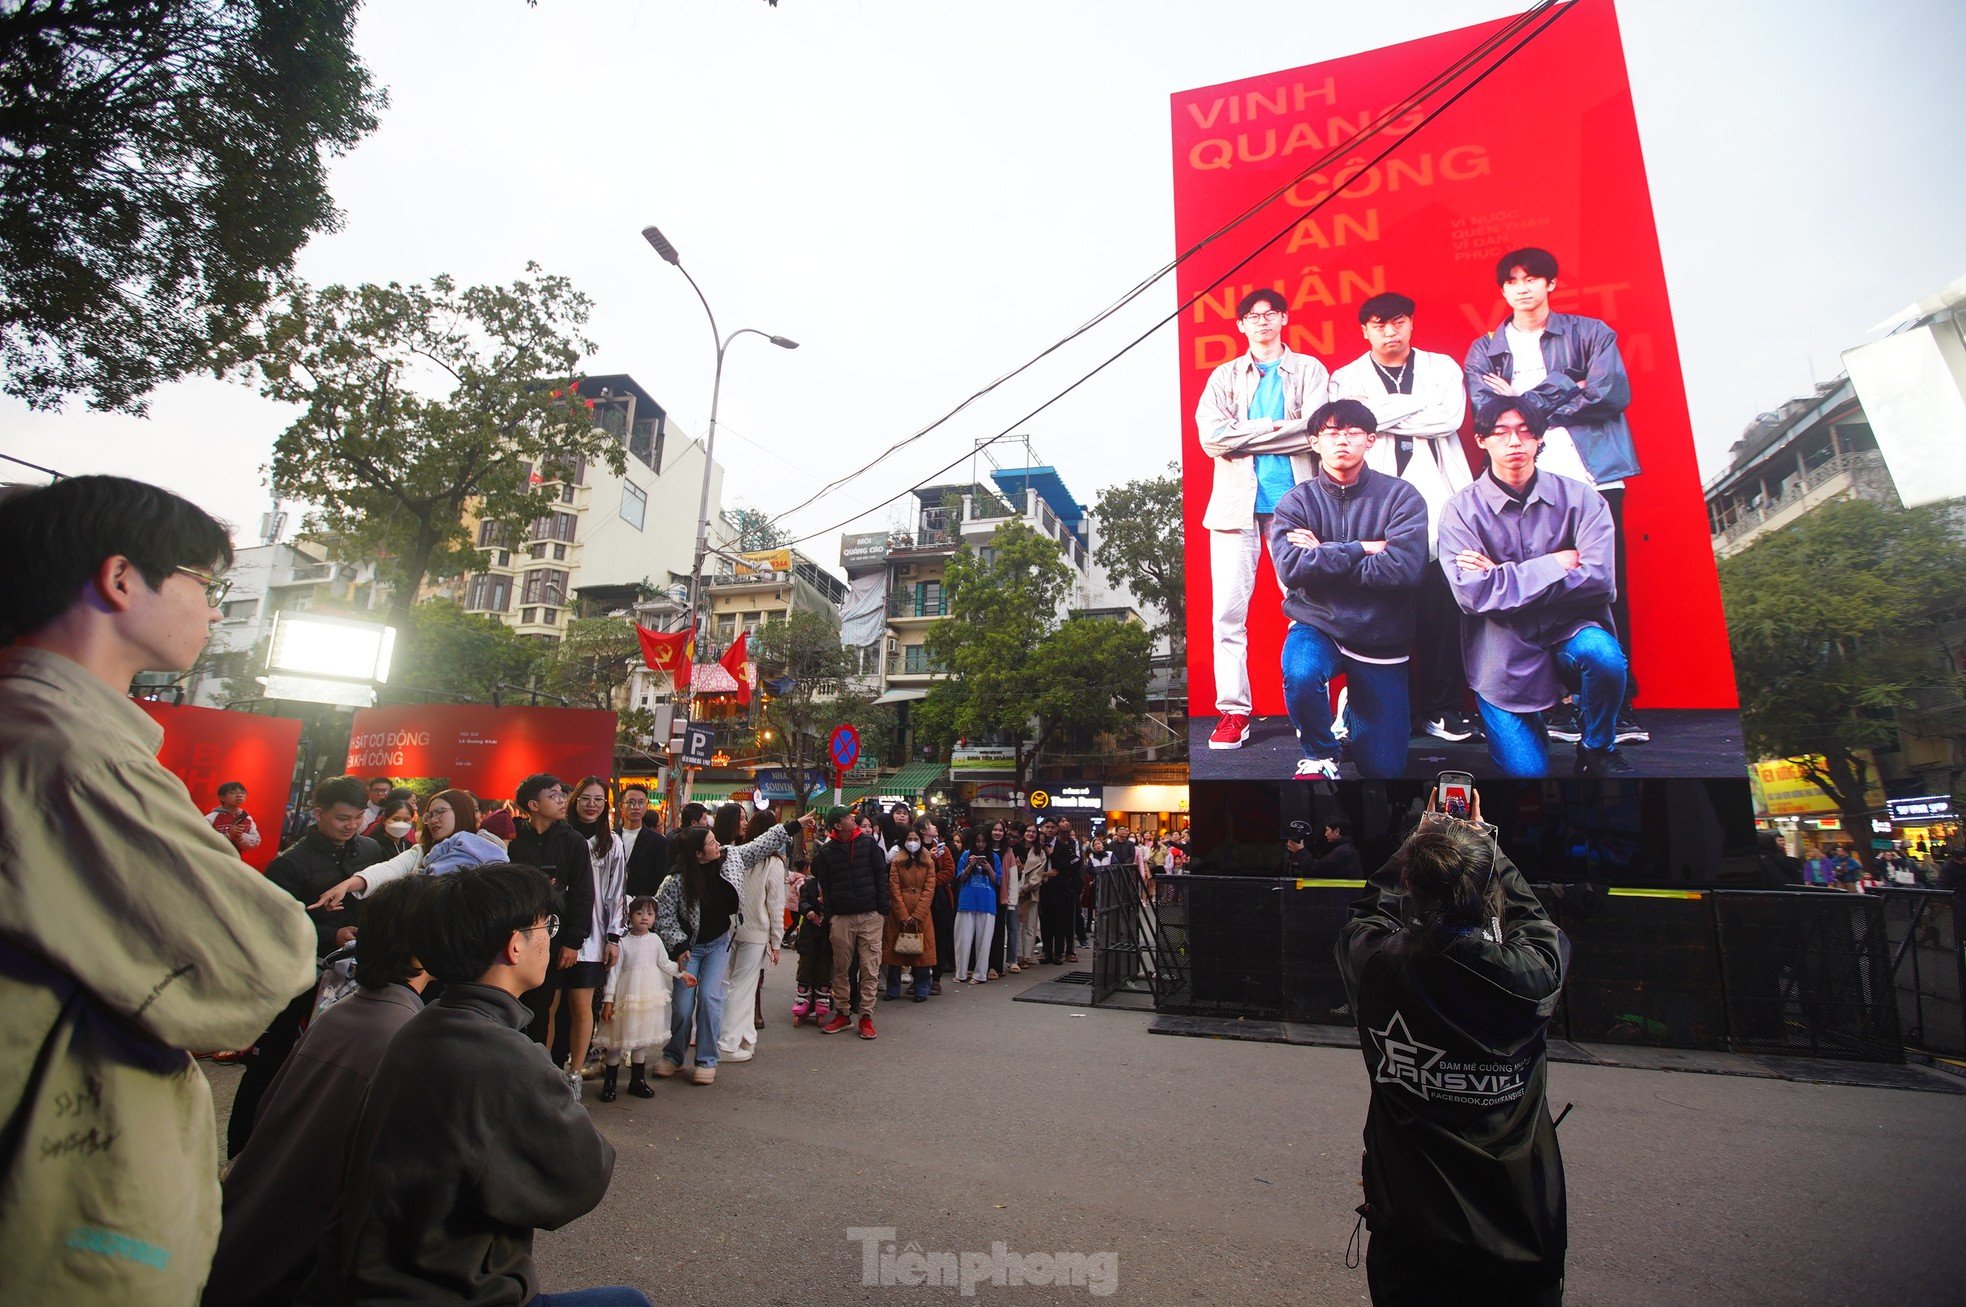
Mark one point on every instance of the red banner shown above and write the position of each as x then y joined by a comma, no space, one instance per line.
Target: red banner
1543,153
668,653
206,748
737,661
487,751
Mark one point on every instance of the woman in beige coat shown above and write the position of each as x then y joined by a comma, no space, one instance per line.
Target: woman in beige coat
911,911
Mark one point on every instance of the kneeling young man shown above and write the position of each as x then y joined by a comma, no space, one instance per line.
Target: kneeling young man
1530,559
1349,545
469,1138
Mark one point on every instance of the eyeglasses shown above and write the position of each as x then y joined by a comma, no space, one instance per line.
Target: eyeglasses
1354,434
551,926
216,587
1263,315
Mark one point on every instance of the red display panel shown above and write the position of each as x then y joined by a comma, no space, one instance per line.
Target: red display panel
1544,153
487,751
207,747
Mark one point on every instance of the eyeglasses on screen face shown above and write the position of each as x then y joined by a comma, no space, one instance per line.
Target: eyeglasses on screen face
1263,315
1353,434
551,926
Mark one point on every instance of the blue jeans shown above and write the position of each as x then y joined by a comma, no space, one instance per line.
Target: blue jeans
710,964
922,977
619,1295
1592,657
1376,703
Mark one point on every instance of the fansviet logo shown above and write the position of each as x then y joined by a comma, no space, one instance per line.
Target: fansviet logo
1425,1071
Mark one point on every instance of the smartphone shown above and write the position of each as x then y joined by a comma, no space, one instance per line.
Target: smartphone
1457,793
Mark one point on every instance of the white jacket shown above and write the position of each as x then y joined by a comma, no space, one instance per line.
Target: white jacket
764,903
1431,417
1232,440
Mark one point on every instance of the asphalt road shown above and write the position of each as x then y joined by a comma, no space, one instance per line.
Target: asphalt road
1222,1171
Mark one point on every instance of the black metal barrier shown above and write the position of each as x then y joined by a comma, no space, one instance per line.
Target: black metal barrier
1812,973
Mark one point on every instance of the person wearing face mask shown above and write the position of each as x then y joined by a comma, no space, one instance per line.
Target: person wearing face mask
910,917
945,901
451,841
392,830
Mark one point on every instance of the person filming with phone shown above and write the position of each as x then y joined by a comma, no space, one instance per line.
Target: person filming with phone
1454,969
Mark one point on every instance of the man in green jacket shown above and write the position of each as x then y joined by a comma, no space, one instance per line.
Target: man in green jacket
130,931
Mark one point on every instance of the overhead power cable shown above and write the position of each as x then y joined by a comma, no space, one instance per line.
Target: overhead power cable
1335,152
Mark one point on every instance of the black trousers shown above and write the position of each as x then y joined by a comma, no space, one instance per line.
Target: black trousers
1440,681
1057,919
1621,606
262,1062
1403,1274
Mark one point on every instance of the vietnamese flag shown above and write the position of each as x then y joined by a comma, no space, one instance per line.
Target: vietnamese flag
737,661
672,653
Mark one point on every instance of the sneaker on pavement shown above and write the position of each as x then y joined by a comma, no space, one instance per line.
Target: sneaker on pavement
839,1022
1601,762
1232,732
1452,726
1627,730
703,1075
1316,769
867,1026
665,1068
1562,723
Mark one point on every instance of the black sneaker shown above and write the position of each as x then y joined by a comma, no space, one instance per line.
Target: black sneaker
1601,762
1451,725
1562,723
1627,730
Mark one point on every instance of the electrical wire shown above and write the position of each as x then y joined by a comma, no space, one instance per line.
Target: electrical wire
1336,151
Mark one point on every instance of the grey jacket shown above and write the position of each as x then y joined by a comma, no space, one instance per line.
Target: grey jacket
1585,392
284,1184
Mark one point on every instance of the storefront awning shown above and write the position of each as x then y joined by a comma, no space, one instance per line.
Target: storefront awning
917,778
900,696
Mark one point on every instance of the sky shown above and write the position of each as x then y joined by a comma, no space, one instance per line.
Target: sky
925,194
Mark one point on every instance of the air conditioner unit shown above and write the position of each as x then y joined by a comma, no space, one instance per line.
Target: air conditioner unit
906,569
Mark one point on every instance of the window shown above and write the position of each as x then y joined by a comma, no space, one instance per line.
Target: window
493,535
550,616
634,503
566,492
559,553
928,599
915,660
240,610
555,526
545,585
538,550
488,594
530,616
645,443
726,626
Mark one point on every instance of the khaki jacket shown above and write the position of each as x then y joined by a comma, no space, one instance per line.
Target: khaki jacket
130,932
1232,440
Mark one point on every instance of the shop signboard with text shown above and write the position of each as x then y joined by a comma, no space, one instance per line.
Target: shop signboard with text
487,751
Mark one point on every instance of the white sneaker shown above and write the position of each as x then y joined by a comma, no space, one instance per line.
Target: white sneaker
1316,769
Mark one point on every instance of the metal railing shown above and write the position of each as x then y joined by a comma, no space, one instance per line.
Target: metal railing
1799,973
1753,517
912,604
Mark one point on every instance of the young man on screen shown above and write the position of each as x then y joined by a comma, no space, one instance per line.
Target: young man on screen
1529,557
1568,369
1251,423
1419,402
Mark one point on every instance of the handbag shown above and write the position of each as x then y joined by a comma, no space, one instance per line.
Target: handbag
908,944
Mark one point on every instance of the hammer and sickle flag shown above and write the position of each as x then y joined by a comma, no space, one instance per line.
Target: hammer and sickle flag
672,653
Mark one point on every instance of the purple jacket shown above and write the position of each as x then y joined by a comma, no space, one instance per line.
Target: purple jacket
1519,612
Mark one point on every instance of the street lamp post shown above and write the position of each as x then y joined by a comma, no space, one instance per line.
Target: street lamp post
661,245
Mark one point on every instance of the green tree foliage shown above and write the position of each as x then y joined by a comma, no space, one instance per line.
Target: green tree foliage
593,661
1016,669
755,529
456,656
420,403
160,163
1140,547
802,655
1835,628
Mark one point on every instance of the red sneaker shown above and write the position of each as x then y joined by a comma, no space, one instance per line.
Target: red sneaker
867,1026
839,1022
1231,732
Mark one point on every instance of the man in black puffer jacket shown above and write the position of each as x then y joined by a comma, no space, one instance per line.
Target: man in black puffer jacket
852,873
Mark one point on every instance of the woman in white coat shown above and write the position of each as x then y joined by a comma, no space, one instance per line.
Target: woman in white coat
754,940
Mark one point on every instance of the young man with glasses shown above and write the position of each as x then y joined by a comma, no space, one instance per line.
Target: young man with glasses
1419,402
1251,423
1349,545
544,840
1529,557
126,941
468,1140
1567,368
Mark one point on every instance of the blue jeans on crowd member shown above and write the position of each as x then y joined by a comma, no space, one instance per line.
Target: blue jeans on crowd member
619,1295
1376,703
922,977
710,964
1593,659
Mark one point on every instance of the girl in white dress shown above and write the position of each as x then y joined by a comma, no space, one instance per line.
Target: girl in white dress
635,1005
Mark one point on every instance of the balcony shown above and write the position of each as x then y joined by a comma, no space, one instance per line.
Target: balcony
910,604
1853,472
914,662
935,530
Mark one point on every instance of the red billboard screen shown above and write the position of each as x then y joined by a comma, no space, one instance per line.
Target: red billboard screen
206,748
1414,642
487,751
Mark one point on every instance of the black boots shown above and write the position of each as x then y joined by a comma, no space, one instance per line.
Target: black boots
638,1084
609,1076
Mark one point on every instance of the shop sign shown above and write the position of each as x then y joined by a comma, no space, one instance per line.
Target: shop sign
1931,807
1879,827
984,759
775,783
870,547
1069,798
1000,794
1782,787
